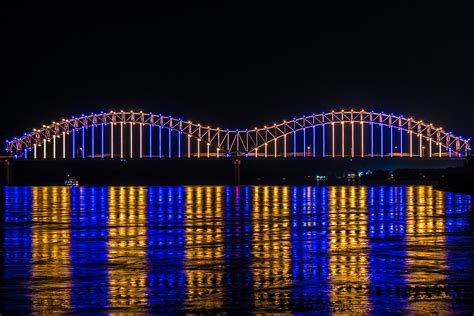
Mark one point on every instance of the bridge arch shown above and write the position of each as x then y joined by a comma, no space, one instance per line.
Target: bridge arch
453,146
351,134
39,138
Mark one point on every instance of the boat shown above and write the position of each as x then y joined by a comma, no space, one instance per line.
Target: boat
71,181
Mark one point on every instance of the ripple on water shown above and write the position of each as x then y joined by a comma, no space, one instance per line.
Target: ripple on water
337,249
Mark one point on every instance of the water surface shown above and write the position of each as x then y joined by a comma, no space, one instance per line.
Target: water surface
331,250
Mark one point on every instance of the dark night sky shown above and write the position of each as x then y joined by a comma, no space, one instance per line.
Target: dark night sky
236,66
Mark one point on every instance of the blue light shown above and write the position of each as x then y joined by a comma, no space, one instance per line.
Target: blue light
159,141
88,248
17,241
179,144
73,143
165,206
401,142
83,142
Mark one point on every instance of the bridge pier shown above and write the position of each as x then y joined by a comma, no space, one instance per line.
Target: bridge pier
237,171
8,172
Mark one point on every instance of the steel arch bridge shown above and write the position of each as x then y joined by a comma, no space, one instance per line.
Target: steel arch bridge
345,134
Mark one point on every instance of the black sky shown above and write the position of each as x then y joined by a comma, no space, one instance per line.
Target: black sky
236,65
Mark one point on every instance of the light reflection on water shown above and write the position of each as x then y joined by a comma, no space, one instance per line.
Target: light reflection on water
334,250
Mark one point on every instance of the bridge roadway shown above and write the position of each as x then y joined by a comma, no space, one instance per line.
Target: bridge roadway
204,171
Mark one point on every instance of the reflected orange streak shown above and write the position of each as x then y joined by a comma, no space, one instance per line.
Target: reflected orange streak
271,248
426,246
348,250
127,247
50,265
204,247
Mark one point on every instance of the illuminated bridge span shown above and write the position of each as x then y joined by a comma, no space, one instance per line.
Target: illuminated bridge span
346,134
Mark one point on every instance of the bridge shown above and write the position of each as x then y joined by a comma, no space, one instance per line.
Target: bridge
336,134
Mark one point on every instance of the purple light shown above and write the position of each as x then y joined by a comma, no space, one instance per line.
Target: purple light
324,140
391,141
372,138
401,142
381,140
179,144
102,141
92,141
83,142
294,143
304,142
150,137
159,140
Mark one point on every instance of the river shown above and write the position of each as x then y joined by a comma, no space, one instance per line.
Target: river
236,249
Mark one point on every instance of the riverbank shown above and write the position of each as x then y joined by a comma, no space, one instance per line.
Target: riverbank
460,181
463,183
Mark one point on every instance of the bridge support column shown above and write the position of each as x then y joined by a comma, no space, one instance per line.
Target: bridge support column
8,172
237,171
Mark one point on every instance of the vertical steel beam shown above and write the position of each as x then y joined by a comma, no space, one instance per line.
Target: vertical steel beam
83,142
150,139
324,140
102,140
121,139
92,140
333,145
141,139
112,140
131,140
342,139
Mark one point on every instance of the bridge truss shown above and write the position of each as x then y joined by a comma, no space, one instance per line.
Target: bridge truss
345,134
